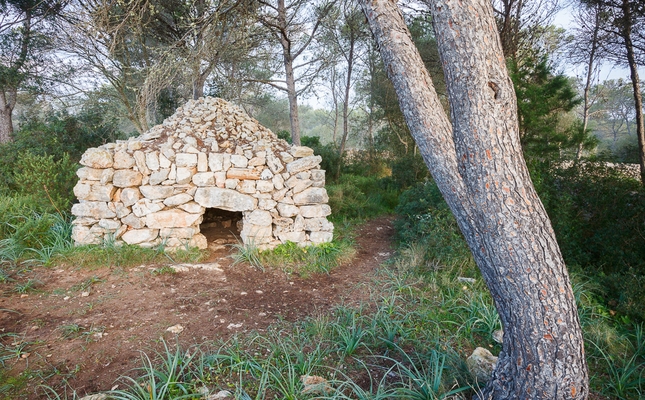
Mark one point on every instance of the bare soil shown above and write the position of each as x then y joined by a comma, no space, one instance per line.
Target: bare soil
95,334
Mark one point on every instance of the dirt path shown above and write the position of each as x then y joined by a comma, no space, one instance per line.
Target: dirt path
94,335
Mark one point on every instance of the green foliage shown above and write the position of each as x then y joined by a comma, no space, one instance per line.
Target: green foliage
356,196
308,260
543,99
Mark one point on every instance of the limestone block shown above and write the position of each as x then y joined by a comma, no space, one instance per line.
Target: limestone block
129,196
138,236
318,224
152,161
144,207
198,241
296,237
257,161
178,199
317,175
202,162
164,162
220,179
321,237
239,161
226,199
298,185
192,208
312,195
256,235
315,211
303,164
156,192
274,163
264,186
267,204
94,174
266,175
133,221
185,174
181,233
140,161
186,160
121,210
279,195
258,217
109,224
247,187
174,218
81,235
93,209
243,173
97,192
301,151
134,145
287,210
159,176
126,178
85,221
481,364
278,182
219,162
231,183
172,175
282,222
299,223
286,157
204,179
97,158
123,160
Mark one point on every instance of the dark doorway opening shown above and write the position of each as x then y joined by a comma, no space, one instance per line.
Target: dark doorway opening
221,226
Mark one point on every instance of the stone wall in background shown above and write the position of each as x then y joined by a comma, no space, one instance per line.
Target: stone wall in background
155,188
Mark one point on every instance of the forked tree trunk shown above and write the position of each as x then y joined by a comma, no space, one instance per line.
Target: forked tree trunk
478,165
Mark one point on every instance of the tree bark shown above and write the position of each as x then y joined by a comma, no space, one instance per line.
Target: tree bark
626,32
290,78
6,109
478,165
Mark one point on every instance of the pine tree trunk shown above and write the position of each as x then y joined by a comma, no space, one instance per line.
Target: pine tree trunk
478,165
7,103
290,78
638,98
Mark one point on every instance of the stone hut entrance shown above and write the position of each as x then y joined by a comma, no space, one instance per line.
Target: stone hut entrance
221,227
204,167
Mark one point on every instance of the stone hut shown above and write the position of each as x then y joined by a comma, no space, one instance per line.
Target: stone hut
205,172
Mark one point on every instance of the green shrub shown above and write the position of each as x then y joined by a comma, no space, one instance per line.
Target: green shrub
360,197
49,181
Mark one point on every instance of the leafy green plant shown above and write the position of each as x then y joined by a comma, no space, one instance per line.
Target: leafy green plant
26,287
247,253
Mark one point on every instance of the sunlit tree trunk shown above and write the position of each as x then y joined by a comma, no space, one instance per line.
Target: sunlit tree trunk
7,103
478,165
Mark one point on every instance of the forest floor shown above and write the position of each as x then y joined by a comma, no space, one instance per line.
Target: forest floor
88,326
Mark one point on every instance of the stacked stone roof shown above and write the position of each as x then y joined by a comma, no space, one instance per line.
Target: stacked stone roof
155,188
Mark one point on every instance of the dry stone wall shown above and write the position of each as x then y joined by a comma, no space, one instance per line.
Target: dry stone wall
155,188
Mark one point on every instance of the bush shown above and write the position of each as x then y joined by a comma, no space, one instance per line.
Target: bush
360,197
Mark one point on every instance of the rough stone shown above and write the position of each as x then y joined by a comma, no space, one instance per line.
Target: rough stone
243,173
312,195
178,199
97,158
321,237
315,211
296,237
171,219
126,178
123,160
96,192
318,225
181,233
93,209
156,192
185,174
133,221
481,364
204,179
287,210
301,151
259,217
159,176
192,208
129,196
186,160
225,199
144,207
138,236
